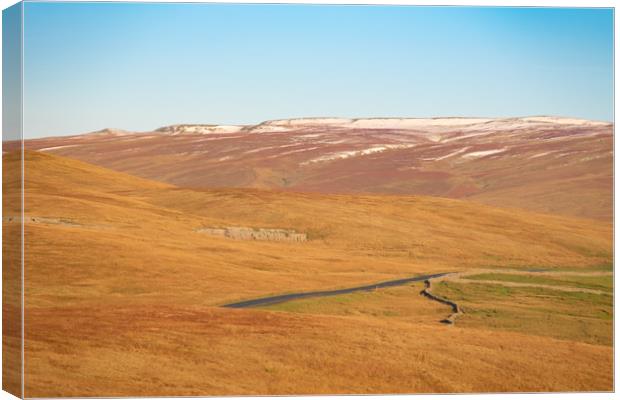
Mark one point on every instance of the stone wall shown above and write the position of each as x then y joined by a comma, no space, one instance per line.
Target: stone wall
456,309
243,233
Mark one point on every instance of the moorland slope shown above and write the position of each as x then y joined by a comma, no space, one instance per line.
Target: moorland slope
118,279
544,164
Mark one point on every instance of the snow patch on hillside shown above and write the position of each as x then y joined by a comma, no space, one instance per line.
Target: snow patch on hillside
483,153
436,125
455,153
564,120
409,123
541,154
356,153
286,153
200,129
57,147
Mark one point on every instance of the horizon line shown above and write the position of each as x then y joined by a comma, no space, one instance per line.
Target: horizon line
353,119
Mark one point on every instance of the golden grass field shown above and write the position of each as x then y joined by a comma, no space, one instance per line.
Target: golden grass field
122,293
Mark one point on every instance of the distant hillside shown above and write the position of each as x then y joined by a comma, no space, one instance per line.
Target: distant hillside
546,164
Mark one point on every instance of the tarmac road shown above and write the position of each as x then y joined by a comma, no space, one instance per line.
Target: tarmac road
304,295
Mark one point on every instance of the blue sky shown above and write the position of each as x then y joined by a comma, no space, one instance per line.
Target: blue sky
139,66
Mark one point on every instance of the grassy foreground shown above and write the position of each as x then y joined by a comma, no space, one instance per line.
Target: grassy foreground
122,291
561,311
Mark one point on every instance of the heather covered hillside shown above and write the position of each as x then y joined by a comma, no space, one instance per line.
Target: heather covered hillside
544,164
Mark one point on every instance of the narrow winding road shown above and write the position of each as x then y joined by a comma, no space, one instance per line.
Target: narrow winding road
304,295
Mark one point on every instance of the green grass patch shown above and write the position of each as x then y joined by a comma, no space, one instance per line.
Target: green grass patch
580,316
403,302
603,283
606,266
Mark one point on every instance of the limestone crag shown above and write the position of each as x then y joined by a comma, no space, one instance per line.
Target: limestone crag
243,233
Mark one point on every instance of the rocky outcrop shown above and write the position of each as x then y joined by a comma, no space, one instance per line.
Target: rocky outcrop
243,233
40,220
199,129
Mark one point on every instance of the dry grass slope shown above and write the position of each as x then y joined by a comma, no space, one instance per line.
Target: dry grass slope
128,283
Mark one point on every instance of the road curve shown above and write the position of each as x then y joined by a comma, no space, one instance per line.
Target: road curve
263,301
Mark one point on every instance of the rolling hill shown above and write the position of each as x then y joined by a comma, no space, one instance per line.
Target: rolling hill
120,278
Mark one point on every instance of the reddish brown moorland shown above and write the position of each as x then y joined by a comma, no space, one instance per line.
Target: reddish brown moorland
545,164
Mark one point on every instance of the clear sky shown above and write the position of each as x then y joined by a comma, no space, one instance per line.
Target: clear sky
141,66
